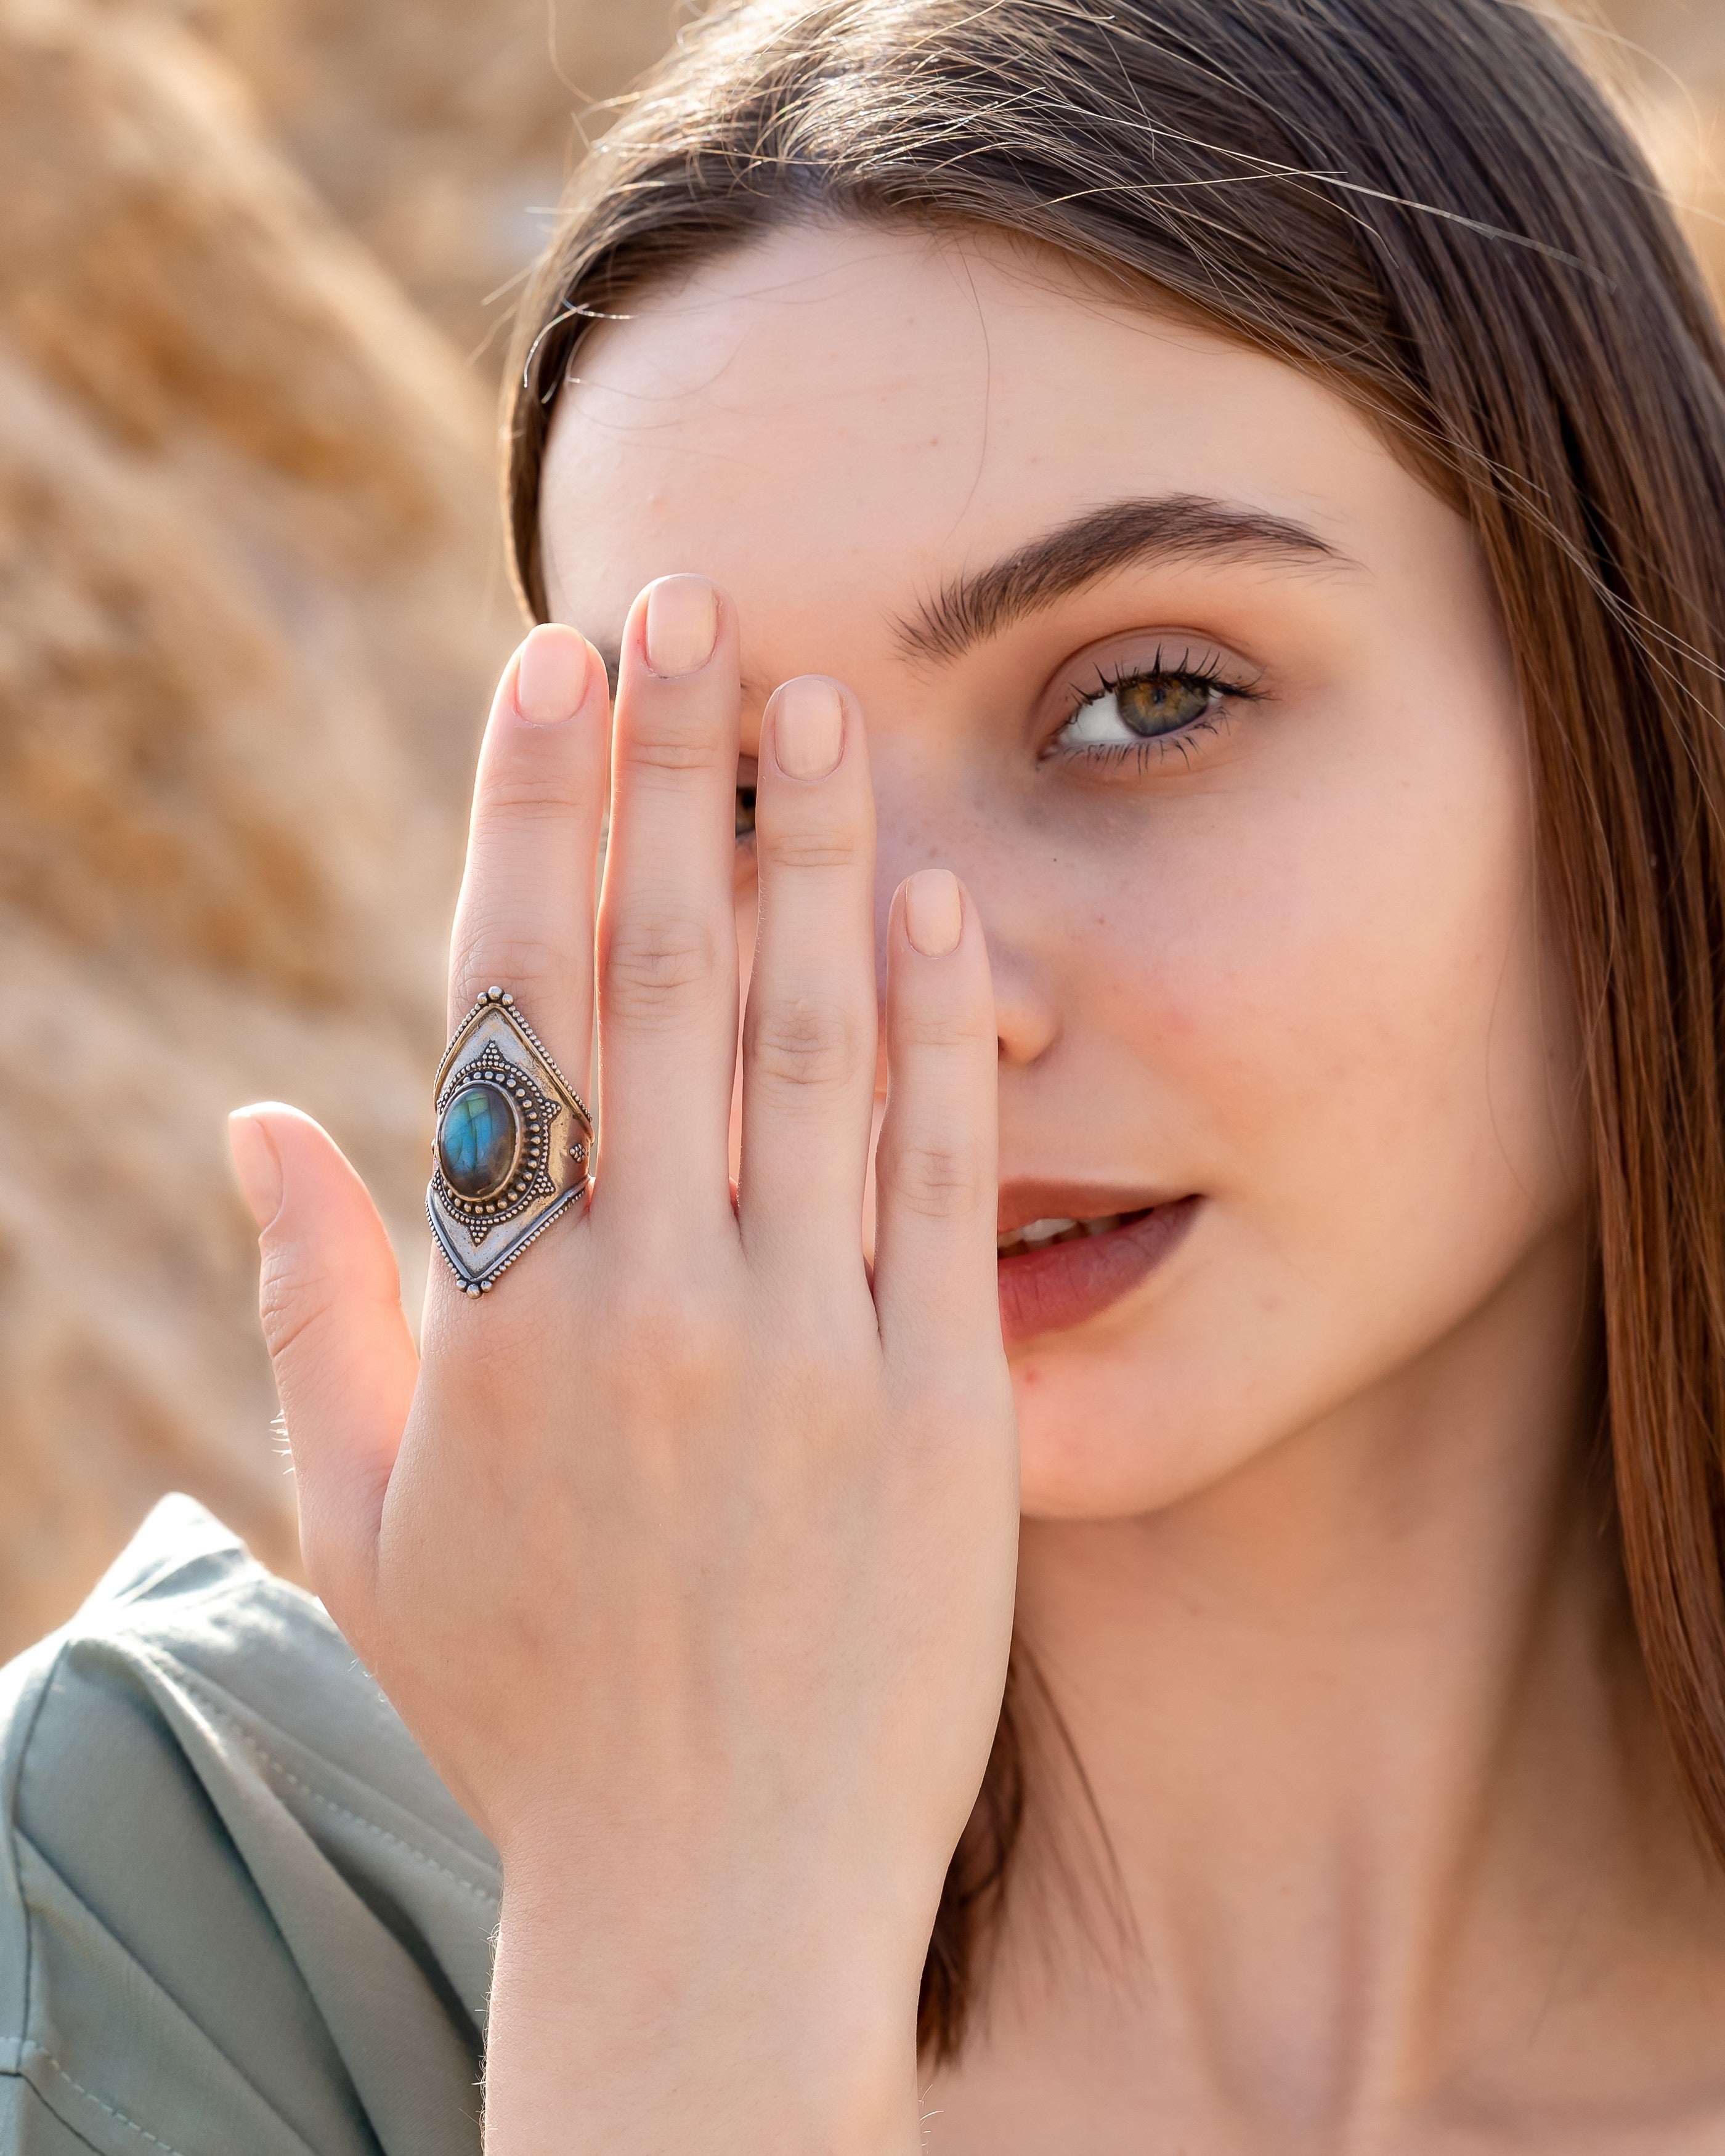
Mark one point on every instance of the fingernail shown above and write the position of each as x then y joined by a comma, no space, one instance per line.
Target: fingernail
682,624
808,727
257,1164
551,675
934,913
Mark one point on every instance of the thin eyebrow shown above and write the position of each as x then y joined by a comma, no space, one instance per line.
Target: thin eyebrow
980,603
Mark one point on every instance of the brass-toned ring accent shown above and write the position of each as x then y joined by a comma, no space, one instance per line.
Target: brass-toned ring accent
514,1143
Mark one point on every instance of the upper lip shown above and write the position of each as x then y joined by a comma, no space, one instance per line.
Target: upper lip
1023,1202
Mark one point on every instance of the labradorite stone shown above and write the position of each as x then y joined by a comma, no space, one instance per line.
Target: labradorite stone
476,1140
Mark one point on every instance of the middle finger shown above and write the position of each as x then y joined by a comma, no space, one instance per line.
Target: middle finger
667,942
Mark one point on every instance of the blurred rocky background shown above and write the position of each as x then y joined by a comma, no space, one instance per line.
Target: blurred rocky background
255,259
252,601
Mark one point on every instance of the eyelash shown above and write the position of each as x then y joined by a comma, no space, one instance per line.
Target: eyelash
1110,754
1154,747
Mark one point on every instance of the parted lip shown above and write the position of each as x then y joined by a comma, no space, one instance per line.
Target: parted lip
1023,1201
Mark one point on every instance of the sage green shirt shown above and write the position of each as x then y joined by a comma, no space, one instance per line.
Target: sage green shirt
239,1915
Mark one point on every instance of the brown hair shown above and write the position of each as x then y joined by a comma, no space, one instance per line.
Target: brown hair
1428,203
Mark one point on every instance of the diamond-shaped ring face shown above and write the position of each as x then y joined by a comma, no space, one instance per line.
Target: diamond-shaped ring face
514,1142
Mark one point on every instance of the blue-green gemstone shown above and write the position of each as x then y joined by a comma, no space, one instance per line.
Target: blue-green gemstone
476,1140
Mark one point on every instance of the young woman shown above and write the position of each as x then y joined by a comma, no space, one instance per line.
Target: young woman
1156,575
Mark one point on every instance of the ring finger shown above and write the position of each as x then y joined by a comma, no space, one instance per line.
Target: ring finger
808,1044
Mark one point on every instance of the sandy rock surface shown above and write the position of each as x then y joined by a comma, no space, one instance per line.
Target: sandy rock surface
440,133
1669,58
251,606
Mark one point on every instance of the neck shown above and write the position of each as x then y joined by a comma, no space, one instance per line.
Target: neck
1368,1745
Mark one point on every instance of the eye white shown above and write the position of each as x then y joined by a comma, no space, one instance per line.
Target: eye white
1098,721
1095,722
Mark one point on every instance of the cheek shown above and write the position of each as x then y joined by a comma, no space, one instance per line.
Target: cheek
1402,1013
1356,1005
1350,1033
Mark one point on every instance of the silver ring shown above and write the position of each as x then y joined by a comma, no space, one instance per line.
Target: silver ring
514,1143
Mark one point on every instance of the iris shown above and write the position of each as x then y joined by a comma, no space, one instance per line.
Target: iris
477,1140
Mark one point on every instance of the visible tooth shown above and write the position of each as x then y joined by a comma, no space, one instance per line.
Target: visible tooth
1039,1234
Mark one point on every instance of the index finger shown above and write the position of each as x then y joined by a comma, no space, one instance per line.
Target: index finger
525,918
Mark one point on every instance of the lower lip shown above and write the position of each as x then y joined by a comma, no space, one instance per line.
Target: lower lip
1051,1291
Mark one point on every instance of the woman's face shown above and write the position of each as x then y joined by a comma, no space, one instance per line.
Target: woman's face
1205,699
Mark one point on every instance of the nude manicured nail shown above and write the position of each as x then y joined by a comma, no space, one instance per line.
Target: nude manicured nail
682,624
551,675
257,1165
808,727
934,913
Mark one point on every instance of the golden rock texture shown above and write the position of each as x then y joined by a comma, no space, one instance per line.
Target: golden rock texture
251,606
441,133
1668,58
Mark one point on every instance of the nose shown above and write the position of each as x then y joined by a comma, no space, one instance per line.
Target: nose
1026,1020
1024,967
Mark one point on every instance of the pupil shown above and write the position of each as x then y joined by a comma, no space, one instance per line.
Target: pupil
476,1141
1159,703
745,811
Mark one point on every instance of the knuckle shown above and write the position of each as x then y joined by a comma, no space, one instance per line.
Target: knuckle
517,799
934,1026
933,1178
663,748
482,955
801,1041
306,1297
294,1300
800,846
656,960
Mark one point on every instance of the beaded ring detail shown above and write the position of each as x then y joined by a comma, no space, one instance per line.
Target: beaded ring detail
514,1144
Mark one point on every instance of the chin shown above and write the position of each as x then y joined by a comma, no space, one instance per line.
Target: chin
1133,1424
1098,1439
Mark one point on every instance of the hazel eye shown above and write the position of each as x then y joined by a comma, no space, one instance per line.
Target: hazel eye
745,813
1140,707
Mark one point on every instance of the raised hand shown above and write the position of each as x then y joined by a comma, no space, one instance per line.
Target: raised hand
687,1553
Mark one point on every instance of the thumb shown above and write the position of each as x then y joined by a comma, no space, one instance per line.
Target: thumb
330,1297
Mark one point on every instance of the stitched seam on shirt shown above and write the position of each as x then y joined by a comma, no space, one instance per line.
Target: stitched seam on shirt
41,2051
25,1911
329,1803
